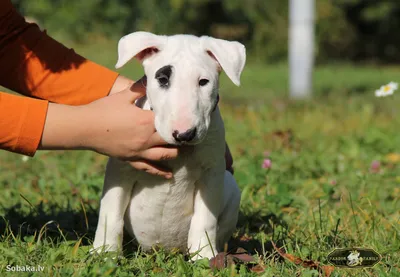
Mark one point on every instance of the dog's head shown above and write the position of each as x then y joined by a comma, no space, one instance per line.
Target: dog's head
182,79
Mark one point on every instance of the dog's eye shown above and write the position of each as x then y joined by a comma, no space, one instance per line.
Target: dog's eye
162,75
203,82
163,81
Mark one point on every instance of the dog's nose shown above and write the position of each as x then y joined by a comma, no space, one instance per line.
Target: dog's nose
186,136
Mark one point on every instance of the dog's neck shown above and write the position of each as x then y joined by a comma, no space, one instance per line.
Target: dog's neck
216,103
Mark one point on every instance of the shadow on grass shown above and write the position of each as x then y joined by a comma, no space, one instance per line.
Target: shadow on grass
52,221
62,224
250,226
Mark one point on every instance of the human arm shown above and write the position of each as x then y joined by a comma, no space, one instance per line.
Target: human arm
38,66
111,126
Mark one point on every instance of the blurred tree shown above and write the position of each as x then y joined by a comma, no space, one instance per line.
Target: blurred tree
335,35
375,24
76,19
268,25
345,30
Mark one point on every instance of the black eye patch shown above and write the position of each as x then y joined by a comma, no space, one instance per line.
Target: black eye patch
203,82
163,75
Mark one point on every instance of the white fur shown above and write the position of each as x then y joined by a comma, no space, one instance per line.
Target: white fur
200,205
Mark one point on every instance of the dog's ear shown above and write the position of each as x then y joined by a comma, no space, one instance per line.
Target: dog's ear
140,45
231,55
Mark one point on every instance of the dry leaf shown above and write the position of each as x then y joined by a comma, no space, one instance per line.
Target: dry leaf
258,269
218,261
223,260
246,258
325,269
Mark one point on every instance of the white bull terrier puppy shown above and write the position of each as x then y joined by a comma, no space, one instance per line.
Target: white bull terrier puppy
197,210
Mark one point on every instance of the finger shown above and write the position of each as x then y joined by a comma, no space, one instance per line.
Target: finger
159,154
155,140
134,95
151,169
139,87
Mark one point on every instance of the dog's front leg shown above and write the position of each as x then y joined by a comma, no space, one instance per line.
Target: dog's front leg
208,204
117,189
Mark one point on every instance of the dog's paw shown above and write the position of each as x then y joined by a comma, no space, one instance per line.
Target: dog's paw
97,249
108,253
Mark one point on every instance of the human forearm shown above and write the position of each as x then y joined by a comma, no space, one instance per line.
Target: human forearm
120,84
65,128
112,126
68,127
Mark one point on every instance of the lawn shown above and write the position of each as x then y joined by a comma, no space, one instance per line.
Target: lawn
334,182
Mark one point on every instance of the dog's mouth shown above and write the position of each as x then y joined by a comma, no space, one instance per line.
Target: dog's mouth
188,143
193,142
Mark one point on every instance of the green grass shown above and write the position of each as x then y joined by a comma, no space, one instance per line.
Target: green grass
318,195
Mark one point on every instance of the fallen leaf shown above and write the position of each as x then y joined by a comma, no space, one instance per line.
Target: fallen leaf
218,261
246,258
326,270
223,259
258,269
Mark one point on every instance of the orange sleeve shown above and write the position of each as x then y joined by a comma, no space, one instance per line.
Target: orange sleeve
36,65
21,123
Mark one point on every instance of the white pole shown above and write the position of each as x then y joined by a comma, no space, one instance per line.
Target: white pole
301,47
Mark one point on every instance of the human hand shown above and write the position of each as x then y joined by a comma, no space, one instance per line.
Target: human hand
113,126
128,132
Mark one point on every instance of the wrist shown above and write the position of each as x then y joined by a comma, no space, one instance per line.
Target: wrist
65,128
120,84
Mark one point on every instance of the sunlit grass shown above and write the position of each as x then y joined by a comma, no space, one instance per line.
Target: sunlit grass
318,194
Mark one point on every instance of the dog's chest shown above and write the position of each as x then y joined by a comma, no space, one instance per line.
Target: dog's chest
160,211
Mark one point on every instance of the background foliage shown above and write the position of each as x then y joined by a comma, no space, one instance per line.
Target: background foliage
334,175
349,30
334,182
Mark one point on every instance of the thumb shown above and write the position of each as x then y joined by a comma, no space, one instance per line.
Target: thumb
139,87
